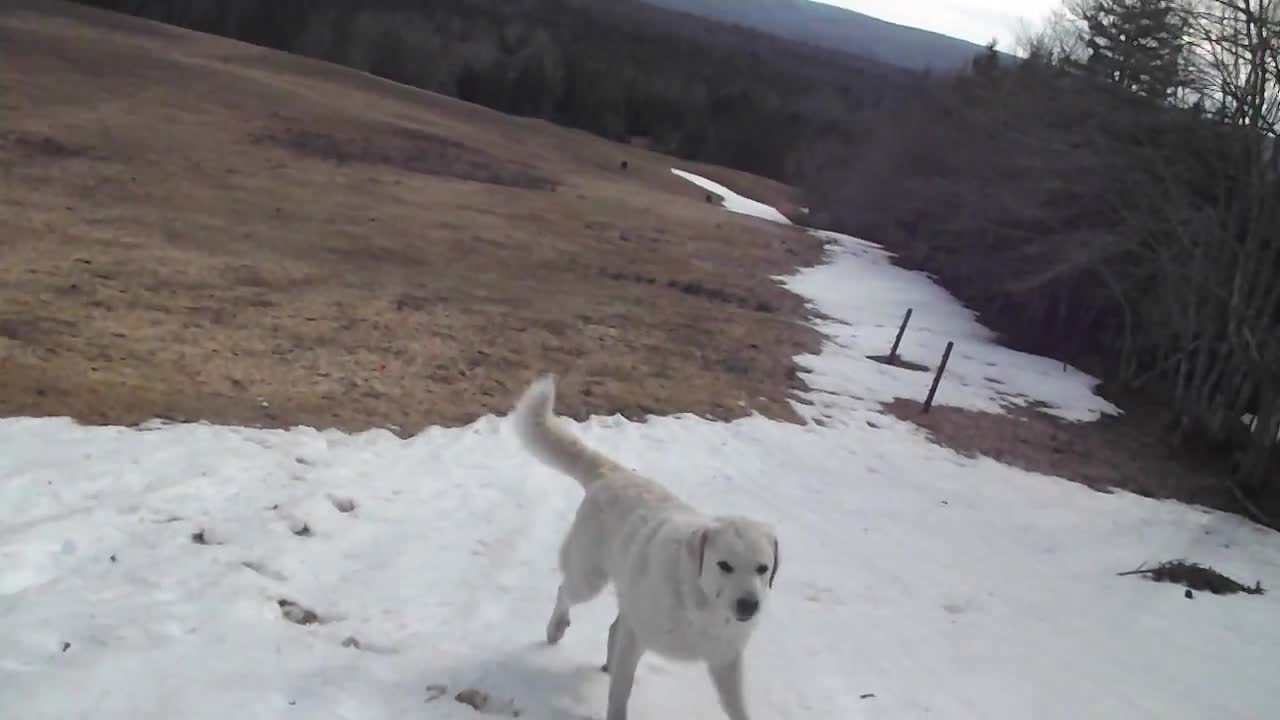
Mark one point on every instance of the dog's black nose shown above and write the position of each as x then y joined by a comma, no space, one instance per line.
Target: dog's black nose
746,607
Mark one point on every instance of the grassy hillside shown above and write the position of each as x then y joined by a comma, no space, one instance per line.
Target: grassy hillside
698,89
196,227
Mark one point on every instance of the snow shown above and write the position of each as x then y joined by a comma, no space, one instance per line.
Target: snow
734,202
868,297
913,583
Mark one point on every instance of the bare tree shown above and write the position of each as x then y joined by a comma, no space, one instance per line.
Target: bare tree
1066,207
1058,39
1208,224
1235,56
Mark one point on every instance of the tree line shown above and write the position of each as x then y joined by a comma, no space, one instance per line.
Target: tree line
688,86
1113,201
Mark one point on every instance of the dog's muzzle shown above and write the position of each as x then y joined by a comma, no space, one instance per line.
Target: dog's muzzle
746,607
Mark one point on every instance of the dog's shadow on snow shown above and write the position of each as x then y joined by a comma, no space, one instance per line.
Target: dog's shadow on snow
538,681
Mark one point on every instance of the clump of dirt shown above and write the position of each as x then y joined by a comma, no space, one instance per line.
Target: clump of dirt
204,537
296,613
1194,576
408,149
38,145
478,700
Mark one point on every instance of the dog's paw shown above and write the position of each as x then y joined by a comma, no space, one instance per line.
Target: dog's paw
556,628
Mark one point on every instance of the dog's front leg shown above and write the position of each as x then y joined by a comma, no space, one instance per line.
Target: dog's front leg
624,657
608,651
728,681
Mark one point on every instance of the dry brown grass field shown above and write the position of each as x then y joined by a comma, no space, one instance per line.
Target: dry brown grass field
196,228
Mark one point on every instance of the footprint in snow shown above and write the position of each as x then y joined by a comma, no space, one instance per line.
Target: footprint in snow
479,700
208,536
296,525
354,643
265,571
299,614
960,607
342,503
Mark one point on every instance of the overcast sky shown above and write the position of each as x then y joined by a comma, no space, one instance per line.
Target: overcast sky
974,20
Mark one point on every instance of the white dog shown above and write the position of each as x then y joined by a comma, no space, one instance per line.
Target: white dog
689,586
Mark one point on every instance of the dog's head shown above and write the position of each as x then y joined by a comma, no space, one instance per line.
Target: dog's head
737,561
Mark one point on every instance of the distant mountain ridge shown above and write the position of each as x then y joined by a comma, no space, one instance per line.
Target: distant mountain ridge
836,29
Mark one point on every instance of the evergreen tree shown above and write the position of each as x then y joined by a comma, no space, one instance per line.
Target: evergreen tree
1136,44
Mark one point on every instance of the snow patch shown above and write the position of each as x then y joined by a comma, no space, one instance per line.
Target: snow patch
734,202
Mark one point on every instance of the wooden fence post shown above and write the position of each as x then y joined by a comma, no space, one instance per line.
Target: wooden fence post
937,377
893,352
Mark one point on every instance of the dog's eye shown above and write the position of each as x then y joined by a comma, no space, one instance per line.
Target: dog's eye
724,567
762,569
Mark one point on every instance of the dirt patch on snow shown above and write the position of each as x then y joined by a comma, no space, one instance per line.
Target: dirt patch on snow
1125,452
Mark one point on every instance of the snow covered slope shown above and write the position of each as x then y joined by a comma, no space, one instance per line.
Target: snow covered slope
209,572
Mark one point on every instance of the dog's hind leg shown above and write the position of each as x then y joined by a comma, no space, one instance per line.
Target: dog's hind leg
574,590
583,579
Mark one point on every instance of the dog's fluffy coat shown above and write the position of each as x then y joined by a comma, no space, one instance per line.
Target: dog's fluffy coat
689,586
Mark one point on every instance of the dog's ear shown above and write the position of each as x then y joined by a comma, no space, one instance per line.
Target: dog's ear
773,573
698,544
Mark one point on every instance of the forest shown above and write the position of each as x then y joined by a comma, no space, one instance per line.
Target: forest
623,70
1110,200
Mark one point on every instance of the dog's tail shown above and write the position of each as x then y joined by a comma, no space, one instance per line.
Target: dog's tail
549,441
